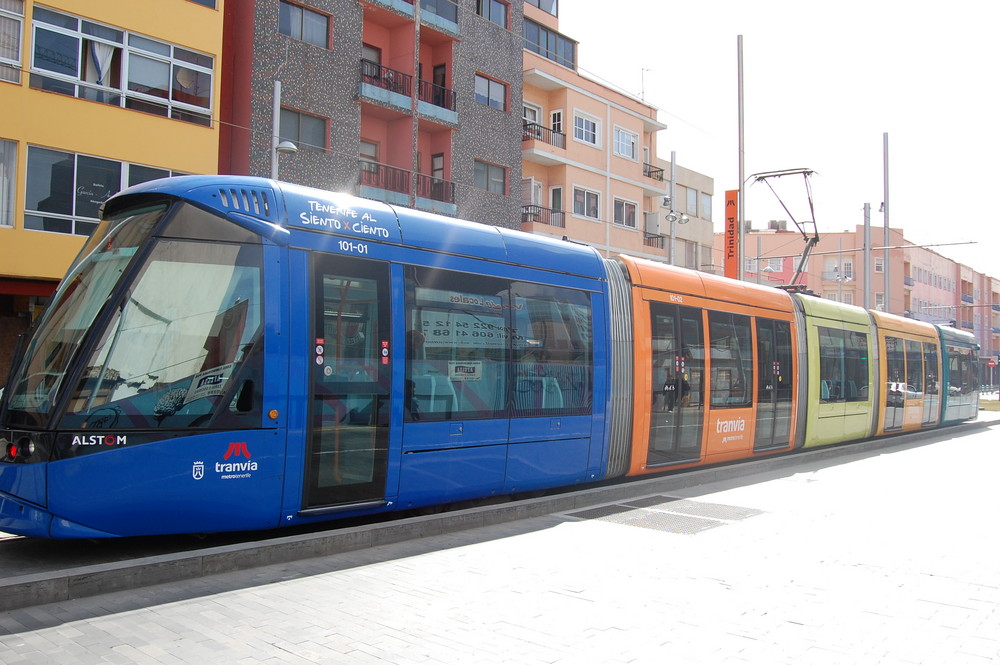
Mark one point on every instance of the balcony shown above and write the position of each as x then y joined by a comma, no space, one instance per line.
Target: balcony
653,172
437,102
996,308
967,299
653,240
436,95
385,85
441,14
535,132
435,189
383,176
533,214
392,185
908,281
967,324
836,276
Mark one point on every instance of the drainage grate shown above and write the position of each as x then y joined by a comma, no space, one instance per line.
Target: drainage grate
667,513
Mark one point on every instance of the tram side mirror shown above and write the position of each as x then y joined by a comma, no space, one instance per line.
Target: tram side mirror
244,399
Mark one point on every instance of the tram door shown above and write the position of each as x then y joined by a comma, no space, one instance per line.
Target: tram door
350,382
774,384
678,400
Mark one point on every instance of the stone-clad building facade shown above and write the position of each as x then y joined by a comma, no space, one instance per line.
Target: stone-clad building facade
416,104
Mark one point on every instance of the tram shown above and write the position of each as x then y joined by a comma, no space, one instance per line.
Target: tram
233,353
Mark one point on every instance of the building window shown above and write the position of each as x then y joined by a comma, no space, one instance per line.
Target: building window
692,202
626,143
8,163
706,206
76,57
305,24
586,129
550,6
64,191
549,44
491,92
11,29
625,213
307,132
586,203
491,177
879,264
557,121
880,301
493,10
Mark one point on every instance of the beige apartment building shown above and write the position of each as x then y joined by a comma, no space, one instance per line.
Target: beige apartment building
922,284
590,167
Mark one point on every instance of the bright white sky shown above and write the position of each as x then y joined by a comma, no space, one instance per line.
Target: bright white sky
822,82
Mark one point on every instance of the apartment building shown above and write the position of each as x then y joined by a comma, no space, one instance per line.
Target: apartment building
591,170
412,103
96,96
922,284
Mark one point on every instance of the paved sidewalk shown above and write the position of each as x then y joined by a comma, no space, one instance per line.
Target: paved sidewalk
869,557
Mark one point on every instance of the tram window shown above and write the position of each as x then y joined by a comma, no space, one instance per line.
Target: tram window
914,368
732,360
457,345
930,368
895,366
552,350
178,343
961,371
843,368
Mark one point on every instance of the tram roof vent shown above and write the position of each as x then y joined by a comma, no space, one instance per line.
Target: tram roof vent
254,201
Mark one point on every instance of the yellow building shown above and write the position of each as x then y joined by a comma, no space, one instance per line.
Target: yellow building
96,96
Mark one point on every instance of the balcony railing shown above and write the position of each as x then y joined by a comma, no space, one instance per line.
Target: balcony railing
444,8
996,308
383,176
653,240
837,276
966,298
539,215
438,95
385,78
535,132
653,172
435,188
908,281
393,179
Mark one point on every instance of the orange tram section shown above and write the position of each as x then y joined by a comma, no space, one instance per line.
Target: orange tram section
728,370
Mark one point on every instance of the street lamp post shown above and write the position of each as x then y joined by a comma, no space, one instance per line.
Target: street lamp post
278,146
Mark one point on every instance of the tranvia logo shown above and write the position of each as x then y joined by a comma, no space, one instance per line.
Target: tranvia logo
233,469
232,466
732,428
237,448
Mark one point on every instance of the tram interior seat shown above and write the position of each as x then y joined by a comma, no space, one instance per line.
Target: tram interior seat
851,392
435,393
538,392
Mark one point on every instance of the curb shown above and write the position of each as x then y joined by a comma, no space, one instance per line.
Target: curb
91,580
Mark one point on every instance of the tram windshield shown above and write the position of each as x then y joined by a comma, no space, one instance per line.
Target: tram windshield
165,348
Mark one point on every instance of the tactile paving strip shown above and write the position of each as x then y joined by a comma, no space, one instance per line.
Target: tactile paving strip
668,513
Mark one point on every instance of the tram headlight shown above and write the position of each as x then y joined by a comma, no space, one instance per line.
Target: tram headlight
21,449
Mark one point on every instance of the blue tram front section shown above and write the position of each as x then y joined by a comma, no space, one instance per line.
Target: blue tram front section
233,354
